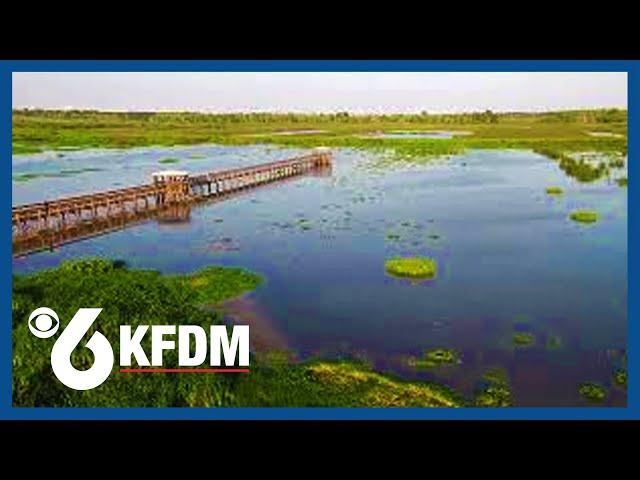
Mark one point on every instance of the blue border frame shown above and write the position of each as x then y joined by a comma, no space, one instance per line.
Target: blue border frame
632,411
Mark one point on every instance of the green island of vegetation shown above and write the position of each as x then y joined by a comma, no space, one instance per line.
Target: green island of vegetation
168,160
620,377
554,190
435,357
592,391
148,297
494,390
523,339
584,216
411,267
554,342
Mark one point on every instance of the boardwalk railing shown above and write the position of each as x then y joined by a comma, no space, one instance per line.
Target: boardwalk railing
45,225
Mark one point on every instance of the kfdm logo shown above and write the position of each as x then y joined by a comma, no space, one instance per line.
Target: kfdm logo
221,349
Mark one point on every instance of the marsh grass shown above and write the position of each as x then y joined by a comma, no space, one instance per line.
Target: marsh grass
412,267
436,357
584,216
554,342
65,173
168,160
337,384
620,377
523,339
554,190
592,391
494,390
558,132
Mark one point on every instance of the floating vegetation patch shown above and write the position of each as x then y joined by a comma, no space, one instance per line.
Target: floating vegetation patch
337,384
25,177
584,216
592,391
523,339
168,160
411,267
435,357
620,377
585,167
554,342
554,190
622,181
215,284
494,390
304,224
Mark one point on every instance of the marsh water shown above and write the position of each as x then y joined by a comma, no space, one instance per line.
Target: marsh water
509,258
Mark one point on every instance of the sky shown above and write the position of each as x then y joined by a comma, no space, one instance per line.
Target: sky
357,92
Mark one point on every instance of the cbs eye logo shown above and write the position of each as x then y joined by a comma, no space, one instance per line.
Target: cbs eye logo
44,322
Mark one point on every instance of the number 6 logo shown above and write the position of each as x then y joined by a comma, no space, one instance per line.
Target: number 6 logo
69,340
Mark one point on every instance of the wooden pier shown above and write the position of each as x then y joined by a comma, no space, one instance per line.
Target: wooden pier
47,225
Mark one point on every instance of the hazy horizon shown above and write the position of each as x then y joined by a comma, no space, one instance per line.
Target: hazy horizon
320,92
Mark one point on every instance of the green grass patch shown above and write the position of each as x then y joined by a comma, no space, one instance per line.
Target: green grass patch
554,342
215,284
494,390
412,267
168,160
436,357
584,216
620,377
554,190
70,172
523,339
592,391
336,384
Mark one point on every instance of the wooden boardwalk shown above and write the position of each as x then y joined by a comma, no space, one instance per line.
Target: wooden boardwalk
47,225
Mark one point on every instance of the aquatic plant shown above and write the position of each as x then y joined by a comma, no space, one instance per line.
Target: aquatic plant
494,395
553,342
494,390
442,355
304,224
168,160
622,181
336,384
435,357
620,377
523,339
592,391
25,177
411,267
554,191
584,216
